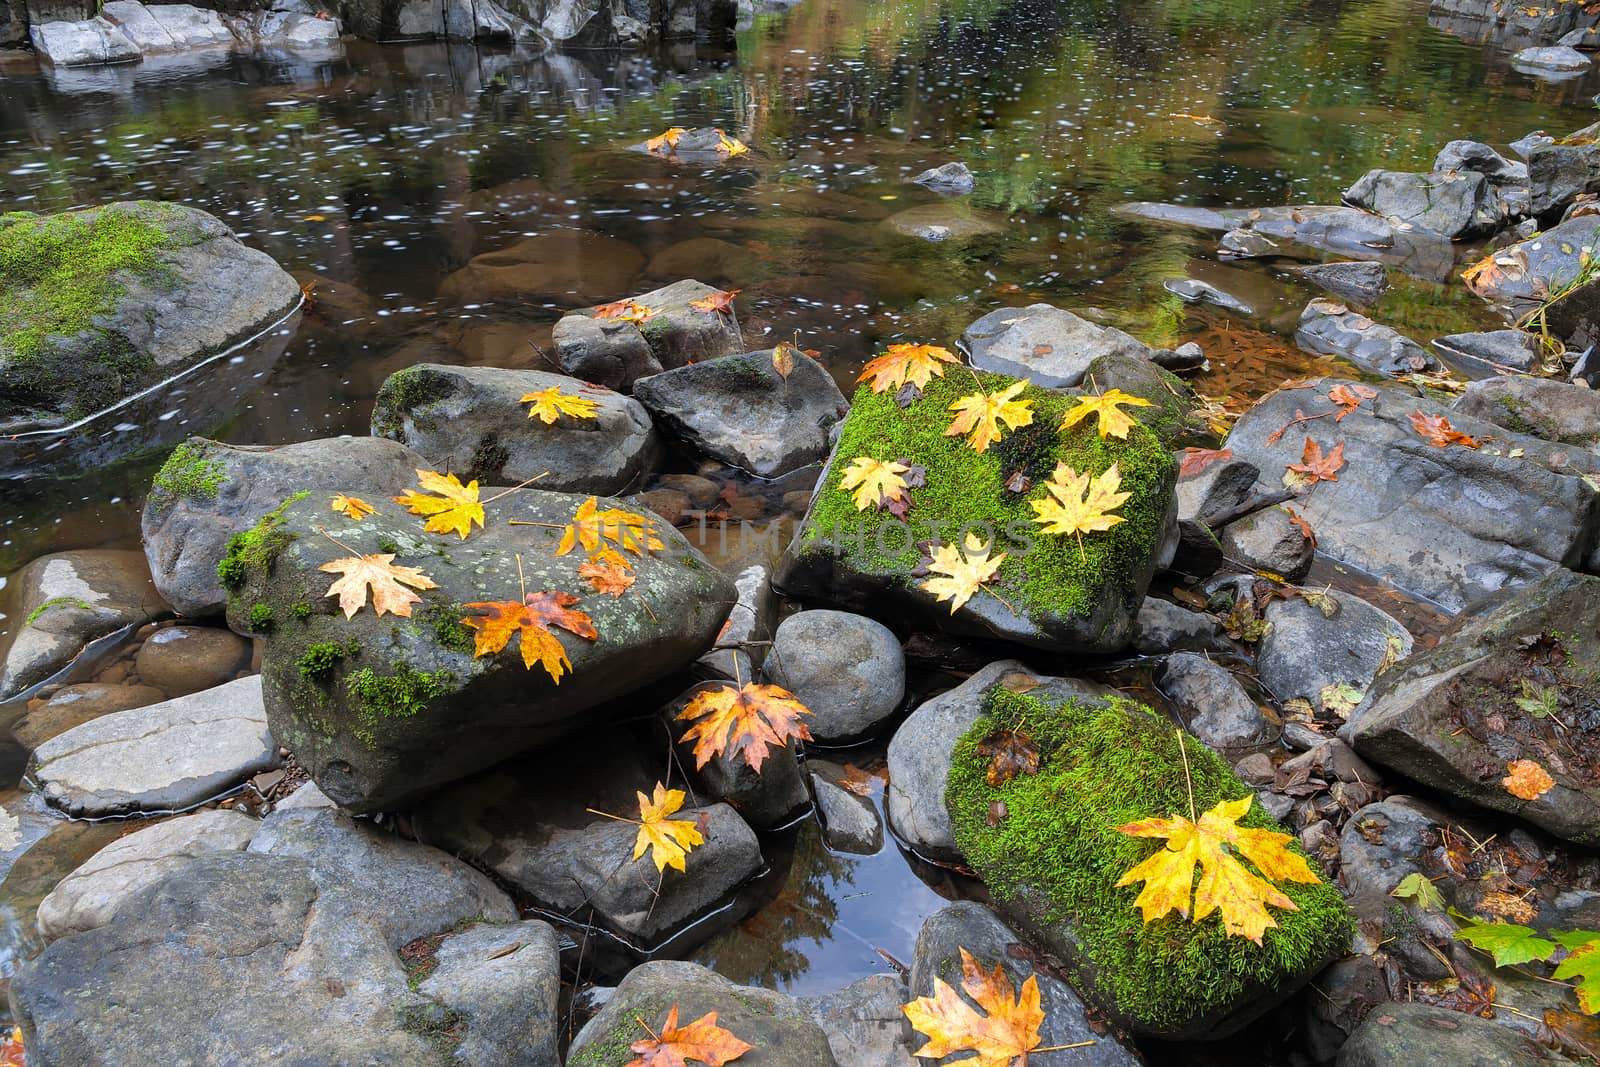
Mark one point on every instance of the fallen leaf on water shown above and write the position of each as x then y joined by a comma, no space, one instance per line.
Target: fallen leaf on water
1438,432
548,405
1315,466
351,507
980,415
1006,1031
387,582
861,783
1196,460
1010,753
453,510
669,840
1526,779
906,364
702,1041
744,722
963,573
497,621
1226,885
1112,421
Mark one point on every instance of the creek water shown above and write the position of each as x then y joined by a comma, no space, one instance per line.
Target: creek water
383,169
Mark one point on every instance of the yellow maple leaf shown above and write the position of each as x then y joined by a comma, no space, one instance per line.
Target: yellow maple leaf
745,721
1226,885
607,571
669,840
979,415
550,404
496,621
591,527
625,311
1007,1030
906,364
964,573
1077,504
874,481
453,510
665,141
352,507
730,146
387,582
1113,421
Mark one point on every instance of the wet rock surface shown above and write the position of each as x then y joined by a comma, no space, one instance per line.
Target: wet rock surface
848,669
615,352
1042,342
1358,283
1334,330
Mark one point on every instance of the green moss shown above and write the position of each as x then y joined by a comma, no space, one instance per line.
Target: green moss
444,620
488,460
389,544
260,618
321,657
966,487
255,547
186,475
401,694
300,609
1102,766
408,392
57,602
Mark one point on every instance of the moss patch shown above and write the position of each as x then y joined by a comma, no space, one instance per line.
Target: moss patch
57,602
966,488
256,546
321,657
186,475
444,620
1102,766
401,694
408,392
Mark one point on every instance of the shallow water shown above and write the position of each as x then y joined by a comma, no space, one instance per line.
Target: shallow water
381,171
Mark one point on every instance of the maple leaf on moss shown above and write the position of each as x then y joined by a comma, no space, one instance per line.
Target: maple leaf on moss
744,722
669,840
702,1041
963,572
1010,753
497,621
548,405
980,415
1111,420
1526,779
872,483
592,527
1226,885
352,507
717,303
665,141
1077,504
625,311
453,510
906,364
387,582
1582,965
1005,1032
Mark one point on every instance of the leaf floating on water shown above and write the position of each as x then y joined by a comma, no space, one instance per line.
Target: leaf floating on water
730,146
702,1041
497,621
453,510
1005,1032
351,507
387,582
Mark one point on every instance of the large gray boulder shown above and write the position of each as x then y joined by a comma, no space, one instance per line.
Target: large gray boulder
1449,524
1559,172
82,43
615,352
171,287
1561,412
1331,329
1326,648
848,669
157,28
1491,351
1400,1034
1045,343
209,492
1453,203
379,709
1213,705
1358,283
59,603
472,421
1519,278
740,410
165,757
864,1021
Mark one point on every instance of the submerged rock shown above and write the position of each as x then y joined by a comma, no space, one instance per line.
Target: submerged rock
472,421
1053,591
180,660
172,286
568,268
382,708
1492,352
1042,342
947,178
952,220
614,352
740,410
1045,846
74,705
1359,283
1332,329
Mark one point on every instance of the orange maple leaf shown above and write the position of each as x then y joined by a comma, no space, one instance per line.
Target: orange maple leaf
1196,460
1007,1030
532,616
387,581
702,1041
1527,780
351,507
745,722
1349,397
591,528
1299,522
1438,432
906,364
718,303
625,311
608,572
1317,466
666,141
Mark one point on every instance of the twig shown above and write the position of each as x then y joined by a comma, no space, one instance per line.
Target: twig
514,488
1188,783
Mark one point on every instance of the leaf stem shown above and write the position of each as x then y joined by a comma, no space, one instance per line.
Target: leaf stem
653,1035
1058,1048
514,488
1188,782
607,814
323,531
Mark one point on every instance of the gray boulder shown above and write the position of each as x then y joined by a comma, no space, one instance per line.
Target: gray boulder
157,28
740,410
1519,278
177,289
180,660
1449,524
1318,643
165,757
1042,342
84,43
953,178
1453,203
1193,291
780,1029
208,492
1400,1034
749,620
1491,352
1560,171
1554,60
1358,283
848,669
767,799
850,821
503,981
1215,489
1331,329
1479,157
1213,705
472,421
59,603
1163,626
381,708
1269,540
1561,412
865,1023
615,352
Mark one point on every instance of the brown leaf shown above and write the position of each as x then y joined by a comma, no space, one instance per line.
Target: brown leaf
1438,432
1196,460
702,1041
1010,753
1349,397
1317,466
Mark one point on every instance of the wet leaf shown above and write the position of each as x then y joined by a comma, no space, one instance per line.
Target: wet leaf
1196,460
12,1053
702,1041
497,621
1393,648
1226,885
1078,504
1340,698
730,146
1111,420
1003,1034
980,415
625,311
607,571
873,483
548,405
378,573
1571,1033
1299,522
1527,779
453,508
1438,432
744,722
861,783
1540,701
592,527
1315,466
720,303
352,507
906,364
1582,965
1010,753
1415,886
1507,906
664,142
1507,943
1349,397
669,840
963,572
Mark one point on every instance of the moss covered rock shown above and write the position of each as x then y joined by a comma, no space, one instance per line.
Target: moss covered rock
381,708
1053,859
96,305
1052,592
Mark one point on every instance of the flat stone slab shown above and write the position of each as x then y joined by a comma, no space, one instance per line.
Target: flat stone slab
164,757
